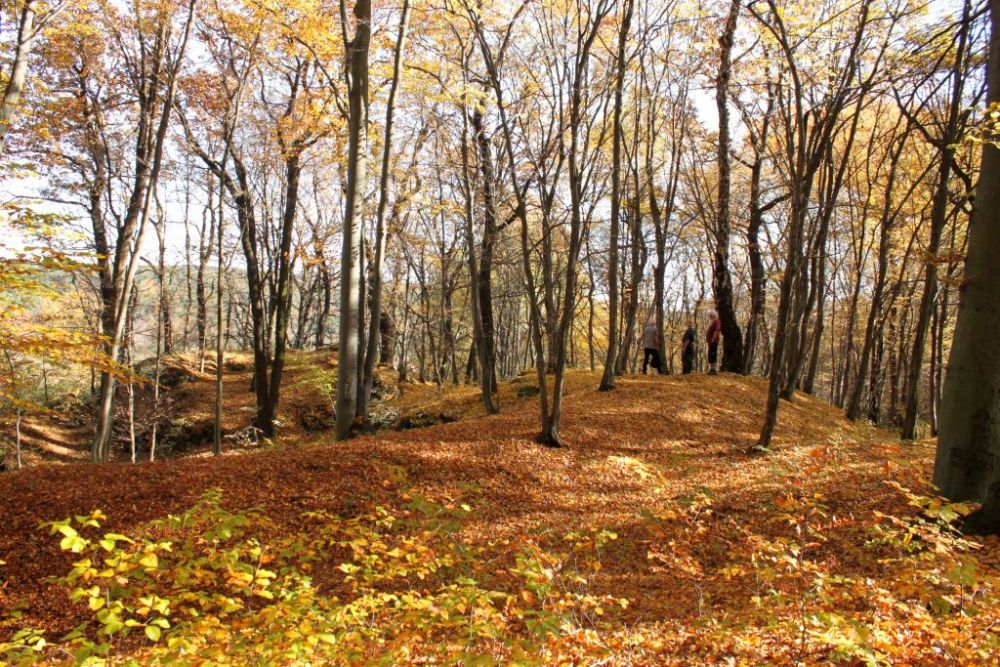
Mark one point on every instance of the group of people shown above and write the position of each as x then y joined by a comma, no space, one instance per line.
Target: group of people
651,345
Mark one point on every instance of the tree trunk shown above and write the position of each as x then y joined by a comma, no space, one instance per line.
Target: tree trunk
608,377
19,68
217,426
722,285
637,261
205,248
350,262
283,292
484,273
967,466
375,316
149,143
758,276
939,215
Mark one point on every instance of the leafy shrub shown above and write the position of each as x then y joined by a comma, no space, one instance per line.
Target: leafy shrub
211,586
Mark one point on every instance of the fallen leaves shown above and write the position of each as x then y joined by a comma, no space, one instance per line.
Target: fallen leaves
748,553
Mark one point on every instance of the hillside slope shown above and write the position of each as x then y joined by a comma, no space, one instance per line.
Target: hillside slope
186,410
660,462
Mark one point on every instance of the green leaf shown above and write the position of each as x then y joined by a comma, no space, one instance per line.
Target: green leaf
73,543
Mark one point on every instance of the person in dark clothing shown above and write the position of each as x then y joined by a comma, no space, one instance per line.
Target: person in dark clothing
712,337
651,346
687,349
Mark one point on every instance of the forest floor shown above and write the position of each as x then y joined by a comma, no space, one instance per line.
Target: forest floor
824,551
186,410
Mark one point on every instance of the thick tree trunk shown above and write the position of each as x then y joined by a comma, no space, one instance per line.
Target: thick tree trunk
967,466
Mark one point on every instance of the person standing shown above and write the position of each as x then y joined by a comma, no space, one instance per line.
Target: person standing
687,349
712,337
651,346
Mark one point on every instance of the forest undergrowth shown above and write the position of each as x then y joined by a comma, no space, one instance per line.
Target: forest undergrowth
652,539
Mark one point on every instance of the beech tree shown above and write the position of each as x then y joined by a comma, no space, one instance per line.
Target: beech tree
610,361
968,449
732,336
348,351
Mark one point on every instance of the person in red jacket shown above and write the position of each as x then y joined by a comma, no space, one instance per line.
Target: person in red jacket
712,337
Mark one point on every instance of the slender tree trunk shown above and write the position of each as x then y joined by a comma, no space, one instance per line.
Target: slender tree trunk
550,435
357,173
758,276
608,378
17,439
219,334
531,292
403,350
375,316
204,253
484,273
283,292
161,326
809,384
852,316
875,310
149,144
939,216
732,336
807,137
327,287
476,265
17,410
637,260
19,68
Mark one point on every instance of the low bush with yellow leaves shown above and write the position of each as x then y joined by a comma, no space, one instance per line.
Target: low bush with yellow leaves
209,587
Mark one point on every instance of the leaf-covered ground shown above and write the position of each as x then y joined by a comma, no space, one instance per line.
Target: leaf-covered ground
814,554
